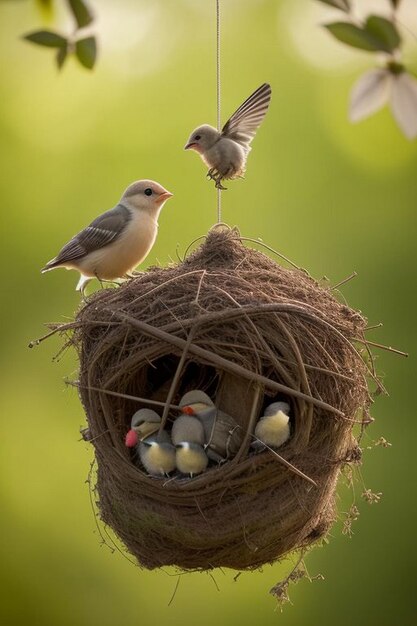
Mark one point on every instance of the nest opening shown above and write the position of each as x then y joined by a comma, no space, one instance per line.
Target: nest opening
247,331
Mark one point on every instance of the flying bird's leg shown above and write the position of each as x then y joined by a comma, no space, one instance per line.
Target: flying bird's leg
218,184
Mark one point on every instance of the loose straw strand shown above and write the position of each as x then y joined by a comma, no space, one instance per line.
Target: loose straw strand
219,193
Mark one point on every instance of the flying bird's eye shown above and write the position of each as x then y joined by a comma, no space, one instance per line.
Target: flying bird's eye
148,191
197,137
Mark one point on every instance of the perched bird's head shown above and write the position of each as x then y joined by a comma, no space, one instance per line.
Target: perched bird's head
146,195
202,138
145,422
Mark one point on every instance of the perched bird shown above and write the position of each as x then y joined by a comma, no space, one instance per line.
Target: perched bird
273,428
222,435
191,458
156,452
119,239
225,152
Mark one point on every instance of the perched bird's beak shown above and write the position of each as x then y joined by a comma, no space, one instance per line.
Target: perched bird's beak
165,196
188,410
189,145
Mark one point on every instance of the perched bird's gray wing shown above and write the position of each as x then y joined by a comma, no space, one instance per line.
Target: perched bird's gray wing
244,122
102,231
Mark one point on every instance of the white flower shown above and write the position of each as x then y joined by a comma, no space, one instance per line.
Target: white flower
381,86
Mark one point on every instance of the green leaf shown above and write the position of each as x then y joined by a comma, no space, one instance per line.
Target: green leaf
81,12
86,51
353,36
46,38
384,32
343,5
61,56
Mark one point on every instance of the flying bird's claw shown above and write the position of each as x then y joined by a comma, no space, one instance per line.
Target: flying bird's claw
219,185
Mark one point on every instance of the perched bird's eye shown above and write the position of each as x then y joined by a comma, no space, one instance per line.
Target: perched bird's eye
197,137
148,191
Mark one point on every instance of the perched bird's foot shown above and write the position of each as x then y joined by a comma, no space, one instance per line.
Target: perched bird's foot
133,274
210,174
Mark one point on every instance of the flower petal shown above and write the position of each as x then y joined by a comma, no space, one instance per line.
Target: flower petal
369,94
404,103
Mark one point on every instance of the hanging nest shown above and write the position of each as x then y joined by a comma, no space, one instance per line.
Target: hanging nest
232,322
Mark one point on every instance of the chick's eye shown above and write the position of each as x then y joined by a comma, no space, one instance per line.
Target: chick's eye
197,137
148,191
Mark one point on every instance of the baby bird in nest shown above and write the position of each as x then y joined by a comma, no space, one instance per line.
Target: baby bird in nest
188,436
222,435
191,458
225,152
156,452
273,428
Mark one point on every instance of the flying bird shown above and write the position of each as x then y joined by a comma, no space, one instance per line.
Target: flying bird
225,152
191,458
222,435
119,239
273,428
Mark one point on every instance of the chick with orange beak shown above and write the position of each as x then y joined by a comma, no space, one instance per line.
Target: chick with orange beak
222,435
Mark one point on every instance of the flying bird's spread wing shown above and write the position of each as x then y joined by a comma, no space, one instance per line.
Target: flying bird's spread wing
244,122
102,231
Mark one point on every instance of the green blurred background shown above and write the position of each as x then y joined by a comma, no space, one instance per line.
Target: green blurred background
331,196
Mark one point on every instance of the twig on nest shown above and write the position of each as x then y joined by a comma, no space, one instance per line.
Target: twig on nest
223,363
117,394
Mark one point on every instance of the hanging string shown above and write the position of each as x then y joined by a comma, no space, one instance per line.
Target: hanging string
219,193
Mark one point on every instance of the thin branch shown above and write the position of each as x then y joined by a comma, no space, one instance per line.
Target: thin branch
381,346
344,281
117,394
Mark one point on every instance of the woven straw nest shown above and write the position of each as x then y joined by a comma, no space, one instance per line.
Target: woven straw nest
232,322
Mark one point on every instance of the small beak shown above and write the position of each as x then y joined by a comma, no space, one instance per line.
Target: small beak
189,145
131,439
188,410
165,196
